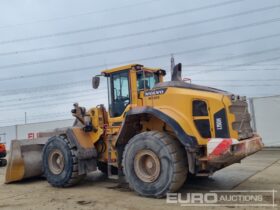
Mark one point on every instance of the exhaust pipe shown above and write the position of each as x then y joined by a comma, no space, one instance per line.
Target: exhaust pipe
177,73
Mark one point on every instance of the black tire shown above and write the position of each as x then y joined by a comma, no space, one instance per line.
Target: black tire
69,172
3,162
171,158
103,167
3,154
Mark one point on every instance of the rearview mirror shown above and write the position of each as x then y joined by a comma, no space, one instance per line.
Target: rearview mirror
95,82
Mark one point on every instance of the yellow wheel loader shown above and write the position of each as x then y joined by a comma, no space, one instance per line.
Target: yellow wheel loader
154,134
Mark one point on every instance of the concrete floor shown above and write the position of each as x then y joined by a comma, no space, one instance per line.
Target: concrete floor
257,172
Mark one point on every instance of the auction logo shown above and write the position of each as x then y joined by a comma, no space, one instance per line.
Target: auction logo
230,198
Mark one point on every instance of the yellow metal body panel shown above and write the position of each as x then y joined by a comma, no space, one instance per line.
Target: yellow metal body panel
120,68
177,103
129,66
85,139
119,119
98,122
110,140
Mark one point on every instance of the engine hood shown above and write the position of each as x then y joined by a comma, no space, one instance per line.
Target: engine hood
182,84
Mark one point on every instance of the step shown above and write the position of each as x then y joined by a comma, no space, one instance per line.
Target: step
114,177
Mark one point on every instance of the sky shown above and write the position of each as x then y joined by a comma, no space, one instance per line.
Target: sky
49,50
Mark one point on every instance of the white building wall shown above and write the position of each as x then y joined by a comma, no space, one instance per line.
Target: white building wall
29,131
7,133
26,131
267,115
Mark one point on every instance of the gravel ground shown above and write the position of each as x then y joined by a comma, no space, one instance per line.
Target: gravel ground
257,172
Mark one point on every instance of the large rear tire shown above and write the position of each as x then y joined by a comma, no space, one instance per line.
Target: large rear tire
154,164
60,163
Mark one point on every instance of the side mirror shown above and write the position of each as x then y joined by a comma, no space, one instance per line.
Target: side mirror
95,82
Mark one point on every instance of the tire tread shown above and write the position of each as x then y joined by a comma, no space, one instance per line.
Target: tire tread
75,178
176,151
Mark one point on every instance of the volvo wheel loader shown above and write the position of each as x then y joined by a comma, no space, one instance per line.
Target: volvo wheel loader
154,134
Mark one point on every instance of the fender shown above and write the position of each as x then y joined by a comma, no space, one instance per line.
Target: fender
187,140
130,128
86,151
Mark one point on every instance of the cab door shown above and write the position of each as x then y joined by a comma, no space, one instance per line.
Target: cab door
119,96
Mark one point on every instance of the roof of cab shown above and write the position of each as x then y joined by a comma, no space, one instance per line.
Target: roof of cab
129,66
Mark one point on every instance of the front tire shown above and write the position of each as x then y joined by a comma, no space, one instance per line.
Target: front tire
154,164
60,163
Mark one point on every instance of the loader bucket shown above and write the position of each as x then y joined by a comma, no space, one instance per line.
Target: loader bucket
25,159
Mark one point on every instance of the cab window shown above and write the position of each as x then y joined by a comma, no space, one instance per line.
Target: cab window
146,80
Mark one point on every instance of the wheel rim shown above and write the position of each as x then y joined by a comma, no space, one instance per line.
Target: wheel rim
147,166
56,161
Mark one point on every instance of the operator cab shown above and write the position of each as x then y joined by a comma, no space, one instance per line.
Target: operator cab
123,82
